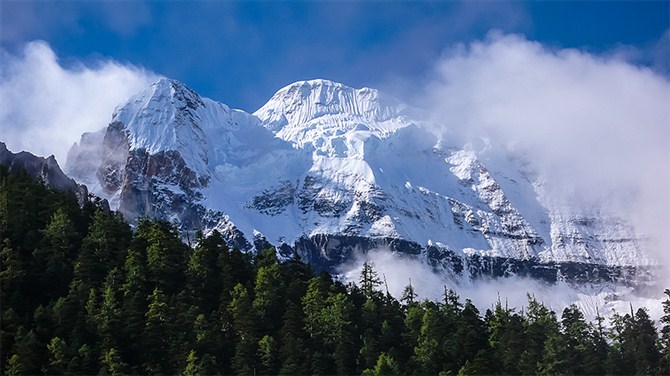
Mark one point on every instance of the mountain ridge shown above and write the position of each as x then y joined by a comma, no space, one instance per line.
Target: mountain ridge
324,159
45,170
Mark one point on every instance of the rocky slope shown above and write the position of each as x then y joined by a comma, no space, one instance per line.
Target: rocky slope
327,170
44,169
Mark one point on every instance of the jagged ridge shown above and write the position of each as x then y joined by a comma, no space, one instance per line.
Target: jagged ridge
321,158
46,170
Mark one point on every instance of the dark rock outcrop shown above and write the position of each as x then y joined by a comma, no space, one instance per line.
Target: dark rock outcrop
44,169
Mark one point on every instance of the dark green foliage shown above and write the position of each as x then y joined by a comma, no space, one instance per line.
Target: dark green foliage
647,354
385,365
665,335
112,364
83,294
369,279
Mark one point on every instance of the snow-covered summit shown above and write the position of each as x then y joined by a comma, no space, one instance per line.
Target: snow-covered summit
321,167
318,113
170,116
304,101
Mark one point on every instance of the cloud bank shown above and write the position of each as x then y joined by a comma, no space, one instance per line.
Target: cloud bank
597,127
397,270
46,106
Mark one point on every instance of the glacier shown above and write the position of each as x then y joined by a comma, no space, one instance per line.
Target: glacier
325,170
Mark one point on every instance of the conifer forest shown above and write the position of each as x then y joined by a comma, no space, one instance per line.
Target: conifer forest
84,293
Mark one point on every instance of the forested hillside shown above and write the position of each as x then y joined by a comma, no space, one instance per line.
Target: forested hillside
83,293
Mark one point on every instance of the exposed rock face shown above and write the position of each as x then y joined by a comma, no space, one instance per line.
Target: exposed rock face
44,169
329,252
325,170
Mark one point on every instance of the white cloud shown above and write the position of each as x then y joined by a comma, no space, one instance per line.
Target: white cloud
598,127
397,270
597,124
46,107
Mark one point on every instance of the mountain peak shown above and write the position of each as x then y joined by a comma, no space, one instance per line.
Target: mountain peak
169,92
305,88
324,159
297,109
45,169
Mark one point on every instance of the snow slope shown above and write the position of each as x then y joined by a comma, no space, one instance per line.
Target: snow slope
323,158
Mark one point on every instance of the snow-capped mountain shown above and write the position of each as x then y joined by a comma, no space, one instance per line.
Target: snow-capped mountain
327,170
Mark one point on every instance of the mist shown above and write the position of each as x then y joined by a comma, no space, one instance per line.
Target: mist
596,127
46,106
398,270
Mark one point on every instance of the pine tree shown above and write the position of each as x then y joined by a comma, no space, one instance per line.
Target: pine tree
54,256
408,296
236,268
596,353
392,316
58,357
621,355
8,332
245,324
202,274
103,248
267,356
479,365
269,293
540,324
83,363
338,331
506,338
369,279
647,354
165,255
112,364
575,341
410,335
15,366
452,312
205,334
156,337
13,275
134,305
471,334
193,366
293,349
370,322
452,305
665,334
109,319
29,354
384,366
428,353
313,304
554,360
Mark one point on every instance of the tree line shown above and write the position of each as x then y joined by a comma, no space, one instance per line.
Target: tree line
83,293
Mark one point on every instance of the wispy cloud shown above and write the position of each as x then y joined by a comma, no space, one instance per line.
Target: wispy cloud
596,124
46,107
398,270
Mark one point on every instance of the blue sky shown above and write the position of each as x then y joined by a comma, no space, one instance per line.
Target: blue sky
240,53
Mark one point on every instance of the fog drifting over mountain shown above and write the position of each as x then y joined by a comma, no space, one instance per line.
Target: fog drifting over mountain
596,126
47,105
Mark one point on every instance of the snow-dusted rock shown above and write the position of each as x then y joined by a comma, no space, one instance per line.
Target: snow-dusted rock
327,169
